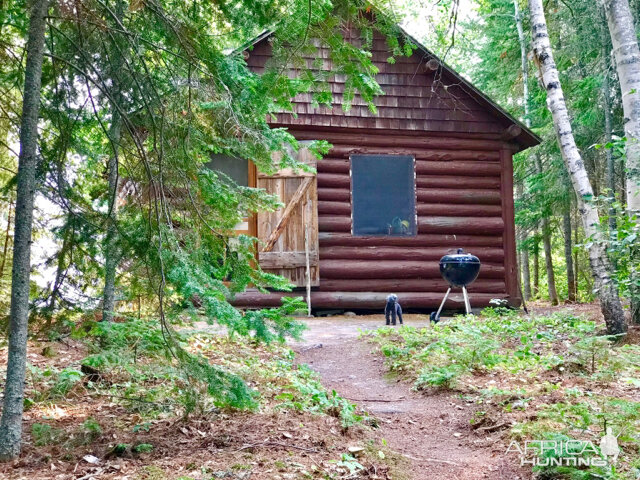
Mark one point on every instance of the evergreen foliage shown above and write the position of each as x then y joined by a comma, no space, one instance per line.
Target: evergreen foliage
136,97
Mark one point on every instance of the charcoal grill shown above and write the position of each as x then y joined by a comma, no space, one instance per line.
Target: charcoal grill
459,270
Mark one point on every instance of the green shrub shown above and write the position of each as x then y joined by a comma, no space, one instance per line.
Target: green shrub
143,448
44,434
91,428
501,338
306,393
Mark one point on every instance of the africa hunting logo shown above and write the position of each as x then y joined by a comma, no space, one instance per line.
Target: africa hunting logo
567,453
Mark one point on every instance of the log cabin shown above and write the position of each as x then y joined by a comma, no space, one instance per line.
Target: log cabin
427,174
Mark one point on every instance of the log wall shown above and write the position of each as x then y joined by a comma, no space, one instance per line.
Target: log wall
462,144
463,200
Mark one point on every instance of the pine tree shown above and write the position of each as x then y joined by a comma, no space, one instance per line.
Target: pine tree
13,404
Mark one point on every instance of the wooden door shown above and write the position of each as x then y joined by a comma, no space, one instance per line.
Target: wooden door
289,236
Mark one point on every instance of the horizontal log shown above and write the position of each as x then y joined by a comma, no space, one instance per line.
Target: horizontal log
287,259
450,225
477,225
333,180
334,208
420,154
453,210
406,285
334,194
485,254
357,269
437,181
454,169
301,119
333,166
405,141
450,181
512,131
459,210
467,241
474,196
458,168
432,65
334,224
368,300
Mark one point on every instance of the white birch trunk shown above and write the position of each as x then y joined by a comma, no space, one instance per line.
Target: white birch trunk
627,54
600,265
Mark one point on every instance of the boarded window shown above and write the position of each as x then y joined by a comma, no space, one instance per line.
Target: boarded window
383,199
235,168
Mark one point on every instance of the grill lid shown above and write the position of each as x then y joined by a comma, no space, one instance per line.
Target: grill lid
459,269
460,257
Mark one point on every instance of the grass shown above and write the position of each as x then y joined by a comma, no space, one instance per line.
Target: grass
549,376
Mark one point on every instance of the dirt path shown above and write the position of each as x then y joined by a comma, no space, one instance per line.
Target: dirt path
432,431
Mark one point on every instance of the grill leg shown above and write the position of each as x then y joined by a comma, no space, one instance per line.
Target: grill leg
442,304
467,305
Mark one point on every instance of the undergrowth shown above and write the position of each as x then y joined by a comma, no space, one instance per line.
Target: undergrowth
141,389
549,377
130,363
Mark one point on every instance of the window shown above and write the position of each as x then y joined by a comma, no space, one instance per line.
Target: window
242,173
383,195
235,168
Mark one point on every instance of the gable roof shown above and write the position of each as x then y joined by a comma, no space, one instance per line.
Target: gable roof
520,133
527,138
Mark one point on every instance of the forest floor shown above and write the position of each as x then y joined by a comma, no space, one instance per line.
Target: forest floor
454,399
434,432
129,422
390,417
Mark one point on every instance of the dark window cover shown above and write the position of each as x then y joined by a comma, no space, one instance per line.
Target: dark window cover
383,200
235,168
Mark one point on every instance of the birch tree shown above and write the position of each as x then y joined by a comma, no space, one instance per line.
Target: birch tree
600,266
627,55
11,423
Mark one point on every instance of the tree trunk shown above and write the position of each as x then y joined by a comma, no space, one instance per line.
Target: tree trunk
524,279
11,423
524,62
600,265
546,243
608,134
61,272
526,273
548,261
576,258
6,241
568,253
536,265
627,53
111,251
524,65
